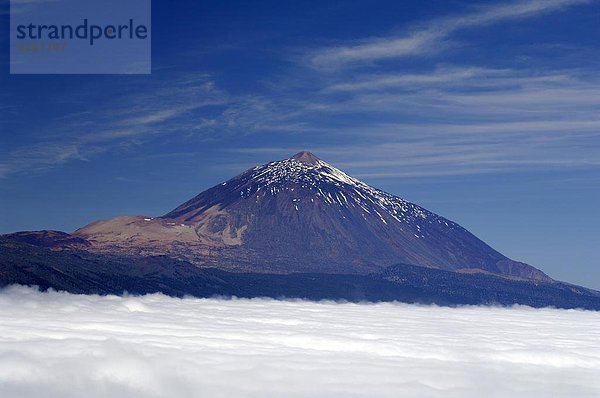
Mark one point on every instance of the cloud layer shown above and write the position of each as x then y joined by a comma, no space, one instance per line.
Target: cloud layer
430,36
62,345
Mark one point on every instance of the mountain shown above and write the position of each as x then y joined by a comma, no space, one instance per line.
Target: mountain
84,272
303,215
297,227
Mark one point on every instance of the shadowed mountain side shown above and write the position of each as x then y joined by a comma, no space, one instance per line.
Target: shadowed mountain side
88,273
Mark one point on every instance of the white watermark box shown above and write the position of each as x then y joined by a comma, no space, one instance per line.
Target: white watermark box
80,36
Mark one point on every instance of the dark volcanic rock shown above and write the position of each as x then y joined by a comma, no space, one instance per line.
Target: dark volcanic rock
87,273
304,215
52,239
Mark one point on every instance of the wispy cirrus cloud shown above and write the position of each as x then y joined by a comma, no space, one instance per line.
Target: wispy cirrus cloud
443,150
429,37
455,120
443,119
451,120
154,111
448,76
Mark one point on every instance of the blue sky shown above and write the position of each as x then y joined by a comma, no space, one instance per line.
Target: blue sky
487,113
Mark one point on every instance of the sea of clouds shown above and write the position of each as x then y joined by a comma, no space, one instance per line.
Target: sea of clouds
62,345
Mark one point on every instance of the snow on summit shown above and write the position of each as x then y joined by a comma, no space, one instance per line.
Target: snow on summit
312,173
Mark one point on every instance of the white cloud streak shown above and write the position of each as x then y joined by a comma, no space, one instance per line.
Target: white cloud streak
451,77
62,345
444,120
452,120
455,121
430,36
148,113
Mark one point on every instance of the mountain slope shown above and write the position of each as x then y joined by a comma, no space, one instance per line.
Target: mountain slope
88,273
302,215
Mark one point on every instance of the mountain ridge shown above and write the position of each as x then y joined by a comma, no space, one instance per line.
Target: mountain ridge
80,272
302,214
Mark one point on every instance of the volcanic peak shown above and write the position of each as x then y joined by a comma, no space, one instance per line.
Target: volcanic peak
306,158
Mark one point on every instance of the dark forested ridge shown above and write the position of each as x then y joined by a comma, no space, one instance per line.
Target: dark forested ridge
88,273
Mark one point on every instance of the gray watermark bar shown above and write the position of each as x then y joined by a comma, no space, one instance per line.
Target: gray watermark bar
80,36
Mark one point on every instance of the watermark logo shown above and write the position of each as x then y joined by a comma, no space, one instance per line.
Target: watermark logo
80,37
